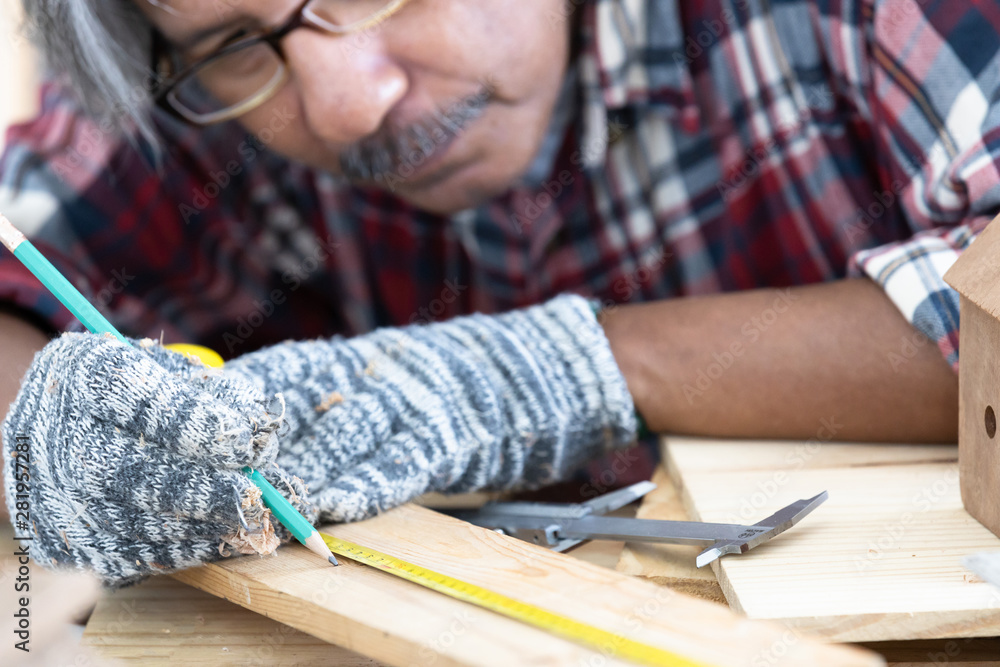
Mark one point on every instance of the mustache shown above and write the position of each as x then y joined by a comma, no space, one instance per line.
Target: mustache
392,147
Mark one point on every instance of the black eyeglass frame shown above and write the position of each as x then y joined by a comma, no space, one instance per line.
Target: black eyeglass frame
164,61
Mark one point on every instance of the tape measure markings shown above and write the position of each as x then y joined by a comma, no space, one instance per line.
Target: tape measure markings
608,643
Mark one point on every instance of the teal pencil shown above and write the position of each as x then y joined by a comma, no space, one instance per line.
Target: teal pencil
96,323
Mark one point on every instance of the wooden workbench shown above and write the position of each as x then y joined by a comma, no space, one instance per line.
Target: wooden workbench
163,621
180,624
704,465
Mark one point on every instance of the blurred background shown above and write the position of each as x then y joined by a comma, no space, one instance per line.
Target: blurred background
18,69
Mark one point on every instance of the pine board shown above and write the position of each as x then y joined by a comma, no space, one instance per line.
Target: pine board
399,623
164,622
880,560
671,565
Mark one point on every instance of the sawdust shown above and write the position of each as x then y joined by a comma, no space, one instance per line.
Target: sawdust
259,536
336,398
263,541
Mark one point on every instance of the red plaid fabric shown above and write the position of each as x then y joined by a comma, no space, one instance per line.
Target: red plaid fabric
709,146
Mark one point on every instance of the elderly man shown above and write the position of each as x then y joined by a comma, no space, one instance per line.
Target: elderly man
493,235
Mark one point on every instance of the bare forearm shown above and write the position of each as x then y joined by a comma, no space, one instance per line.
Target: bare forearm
20,342
834,361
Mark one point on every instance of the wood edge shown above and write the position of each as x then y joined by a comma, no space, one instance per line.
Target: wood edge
350,640
705,590
726,586
855,625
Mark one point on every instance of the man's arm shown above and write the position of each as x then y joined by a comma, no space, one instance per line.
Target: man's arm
830,361
20,342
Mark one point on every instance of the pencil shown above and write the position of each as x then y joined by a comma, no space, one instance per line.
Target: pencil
90,317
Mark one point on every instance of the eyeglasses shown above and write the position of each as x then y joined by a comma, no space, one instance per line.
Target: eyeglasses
245,73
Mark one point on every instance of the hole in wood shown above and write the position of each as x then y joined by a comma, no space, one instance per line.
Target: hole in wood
991,421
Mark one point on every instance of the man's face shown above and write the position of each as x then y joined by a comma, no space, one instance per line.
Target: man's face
444,104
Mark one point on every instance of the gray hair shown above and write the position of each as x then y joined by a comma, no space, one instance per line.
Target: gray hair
102,48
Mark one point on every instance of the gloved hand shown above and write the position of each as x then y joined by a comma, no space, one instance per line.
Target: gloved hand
518,400
134,455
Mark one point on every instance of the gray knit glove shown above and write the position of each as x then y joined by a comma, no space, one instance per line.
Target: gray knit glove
481,402
134,456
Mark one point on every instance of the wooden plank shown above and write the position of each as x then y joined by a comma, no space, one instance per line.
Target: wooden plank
967,652
162,622
880,560
670,565
709,454
397,622
53,602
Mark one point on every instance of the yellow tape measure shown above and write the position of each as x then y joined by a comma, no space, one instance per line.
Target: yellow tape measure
603,641
208,357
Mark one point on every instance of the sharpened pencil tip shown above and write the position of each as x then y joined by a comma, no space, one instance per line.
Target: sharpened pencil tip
333,561
9,234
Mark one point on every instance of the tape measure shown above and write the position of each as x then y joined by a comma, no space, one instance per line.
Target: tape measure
608,643
208,357
603,641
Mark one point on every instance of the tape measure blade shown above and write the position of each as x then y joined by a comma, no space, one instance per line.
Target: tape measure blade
603,641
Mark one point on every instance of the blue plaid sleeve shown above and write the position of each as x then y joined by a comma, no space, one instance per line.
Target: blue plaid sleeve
932,86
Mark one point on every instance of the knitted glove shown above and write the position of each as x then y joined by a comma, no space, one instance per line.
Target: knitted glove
481,402
134,456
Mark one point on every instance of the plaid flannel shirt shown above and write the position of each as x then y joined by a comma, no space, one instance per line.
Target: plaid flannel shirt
706,146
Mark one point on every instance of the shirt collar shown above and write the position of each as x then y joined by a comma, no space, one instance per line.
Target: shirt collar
632,56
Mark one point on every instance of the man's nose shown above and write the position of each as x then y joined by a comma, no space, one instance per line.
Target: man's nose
348,84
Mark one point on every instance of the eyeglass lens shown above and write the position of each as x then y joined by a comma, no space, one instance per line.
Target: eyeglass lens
232,82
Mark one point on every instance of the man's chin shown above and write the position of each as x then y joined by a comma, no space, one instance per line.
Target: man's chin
444,200
449,192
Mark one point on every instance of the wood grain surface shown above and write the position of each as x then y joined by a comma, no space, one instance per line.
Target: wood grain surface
880,560
162,622
400,623
671,565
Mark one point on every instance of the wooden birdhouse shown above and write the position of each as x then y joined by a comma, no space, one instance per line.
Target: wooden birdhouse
976,276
